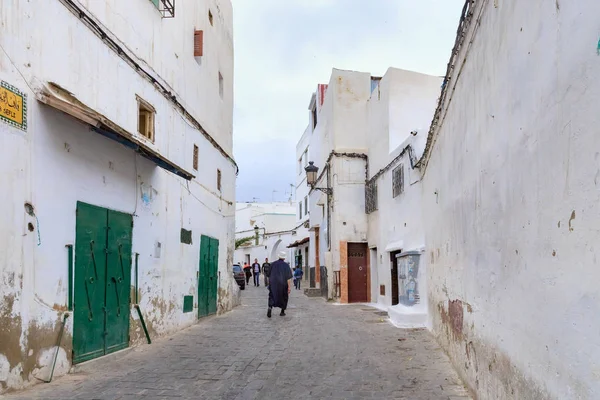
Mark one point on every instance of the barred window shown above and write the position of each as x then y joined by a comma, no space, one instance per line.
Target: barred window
371,197
398,180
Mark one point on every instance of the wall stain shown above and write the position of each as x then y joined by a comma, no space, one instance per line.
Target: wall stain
453,318
10,332
570,220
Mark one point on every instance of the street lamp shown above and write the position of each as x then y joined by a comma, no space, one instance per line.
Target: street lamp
311,178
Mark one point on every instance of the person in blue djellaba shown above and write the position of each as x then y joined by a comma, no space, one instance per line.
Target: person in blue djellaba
298,277
280,280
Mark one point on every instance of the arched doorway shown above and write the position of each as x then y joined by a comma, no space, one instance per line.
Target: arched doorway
274,250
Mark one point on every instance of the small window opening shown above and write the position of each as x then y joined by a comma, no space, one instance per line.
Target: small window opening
195,157
146,119
314,117
220,85
219,180
210,18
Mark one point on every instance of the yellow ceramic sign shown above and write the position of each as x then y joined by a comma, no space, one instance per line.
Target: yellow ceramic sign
13,106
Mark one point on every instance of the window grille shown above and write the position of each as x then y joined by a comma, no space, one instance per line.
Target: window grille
371,197
398,180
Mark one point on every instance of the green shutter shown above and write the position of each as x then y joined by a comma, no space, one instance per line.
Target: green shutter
155,2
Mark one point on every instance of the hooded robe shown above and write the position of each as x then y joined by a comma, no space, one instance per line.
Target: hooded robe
278,284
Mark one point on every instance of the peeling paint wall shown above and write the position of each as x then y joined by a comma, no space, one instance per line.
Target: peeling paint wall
58,161
510,203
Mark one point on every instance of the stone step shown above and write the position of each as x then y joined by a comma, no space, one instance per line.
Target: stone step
312,292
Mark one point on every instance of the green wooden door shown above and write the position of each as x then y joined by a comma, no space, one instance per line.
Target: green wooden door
102,280
118,281
208,276
213,279
90,283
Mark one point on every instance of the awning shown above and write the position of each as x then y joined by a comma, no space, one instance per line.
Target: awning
62,100
299,242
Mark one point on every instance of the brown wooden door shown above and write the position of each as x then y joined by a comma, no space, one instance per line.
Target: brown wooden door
357,272
394,261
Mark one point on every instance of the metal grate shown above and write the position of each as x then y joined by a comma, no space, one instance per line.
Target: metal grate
167,8
371,197
398,180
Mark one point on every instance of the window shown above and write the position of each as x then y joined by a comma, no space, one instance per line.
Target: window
198,43
219,180
398,180
371,197
210,18
314,116
300,166
305,157
145,119
196,157
220,85
300,205
306,205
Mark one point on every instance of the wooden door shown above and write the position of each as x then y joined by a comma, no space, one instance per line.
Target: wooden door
118,280
208,276
102,282
394,274
357,272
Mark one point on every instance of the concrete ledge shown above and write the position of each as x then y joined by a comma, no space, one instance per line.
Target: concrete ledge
312,292
404,317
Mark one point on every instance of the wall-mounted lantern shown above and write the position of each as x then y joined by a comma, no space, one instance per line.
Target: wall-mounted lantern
311,178
256,235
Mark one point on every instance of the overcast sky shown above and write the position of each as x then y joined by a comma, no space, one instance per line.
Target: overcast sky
284,48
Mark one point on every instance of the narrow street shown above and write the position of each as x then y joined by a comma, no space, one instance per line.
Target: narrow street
319,350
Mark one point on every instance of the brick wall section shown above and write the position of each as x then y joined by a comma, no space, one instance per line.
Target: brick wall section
343,272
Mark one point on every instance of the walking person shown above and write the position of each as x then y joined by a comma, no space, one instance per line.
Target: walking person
298,277
247,271
266,270
256,272
280,280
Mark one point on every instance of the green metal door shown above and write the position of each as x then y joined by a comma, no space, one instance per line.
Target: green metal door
102,280
208,276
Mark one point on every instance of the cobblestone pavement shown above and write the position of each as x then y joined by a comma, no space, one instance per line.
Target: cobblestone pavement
319,350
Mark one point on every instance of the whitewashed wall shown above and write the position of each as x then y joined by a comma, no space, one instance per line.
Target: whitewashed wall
341,127
276,222
403,102
510,200
58,161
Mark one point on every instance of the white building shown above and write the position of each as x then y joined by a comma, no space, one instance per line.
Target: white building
399,112
267,228
301,245
362,132
510,199
116,176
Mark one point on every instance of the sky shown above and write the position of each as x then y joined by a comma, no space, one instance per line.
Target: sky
284,48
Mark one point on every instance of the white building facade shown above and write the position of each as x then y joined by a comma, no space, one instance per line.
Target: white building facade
399,112
510,201
117,178
267,229
366,128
